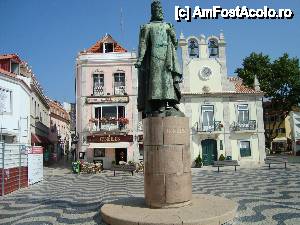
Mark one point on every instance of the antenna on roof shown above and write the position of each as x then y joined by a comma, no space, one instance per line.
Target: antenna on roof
122,23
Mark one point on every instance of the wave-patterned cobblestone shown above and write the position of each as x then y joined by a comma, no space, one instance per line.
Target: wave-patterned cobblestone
264,196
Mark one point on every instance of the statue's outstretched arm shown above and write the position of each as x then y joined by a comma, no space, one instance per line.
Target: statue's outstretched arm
142,45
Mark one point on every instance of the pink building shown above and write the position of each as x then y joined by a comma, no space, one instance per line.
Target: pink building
106,98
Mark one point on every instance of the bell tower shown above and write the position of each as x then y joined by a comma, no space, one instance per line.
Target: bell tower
204,63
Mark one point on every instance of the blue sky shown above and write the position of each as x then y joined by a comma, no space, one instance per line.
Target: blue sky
49,34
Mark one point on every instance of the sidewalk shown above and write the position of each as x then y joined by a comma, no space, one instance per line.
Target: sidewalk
59,168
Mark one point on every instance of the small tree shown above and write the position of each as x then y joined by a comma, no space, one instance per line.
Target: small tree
222,157
279,80
198,161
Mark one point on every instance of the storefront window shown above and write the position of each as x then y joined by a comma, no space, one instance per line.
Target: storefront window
99,152
121,111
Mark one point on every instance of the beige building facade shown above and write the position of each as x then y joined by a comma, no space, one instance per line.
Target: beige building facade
226,117
59,130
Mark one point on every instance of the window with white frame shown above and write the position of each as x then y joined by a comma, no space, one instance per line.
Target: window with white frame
5,101
245,148
243,114
119,83
98,84
207,112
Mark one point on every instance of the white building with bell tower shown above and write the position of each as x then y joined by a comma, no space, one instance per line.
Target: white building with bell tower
226,117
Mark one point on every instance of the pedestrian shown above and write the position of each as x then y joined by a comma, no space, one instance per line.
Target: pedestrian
67,154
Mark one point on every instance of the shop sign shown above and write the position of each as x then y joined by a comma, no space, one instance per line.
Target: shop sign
112,99
109,138
35,164
36,150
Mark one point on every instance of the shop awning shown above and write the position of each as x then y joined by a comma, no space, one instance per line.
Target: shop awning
280,139
37,139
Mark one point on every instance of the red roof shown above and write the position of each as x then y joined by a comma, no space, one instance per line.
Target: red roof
98,46
11,56
241,88
7,73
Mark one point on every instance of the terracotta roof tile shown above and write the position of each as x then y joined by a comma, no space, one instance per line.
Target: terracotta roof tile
240,87
8,73
98,48
11,56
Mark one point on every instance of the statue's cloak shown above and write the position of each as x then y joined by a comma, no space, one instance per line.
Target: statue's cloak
159,73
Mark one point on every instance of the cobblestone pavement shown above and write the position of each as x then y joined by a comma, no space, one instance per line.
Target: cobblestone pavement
264,196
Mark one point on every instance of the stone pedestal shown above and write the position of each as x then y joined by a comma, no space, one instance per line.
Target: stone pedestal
168,183
204,210
167,161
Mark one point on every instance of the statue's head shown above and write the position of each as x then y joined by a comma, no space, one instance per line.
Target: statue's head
156,11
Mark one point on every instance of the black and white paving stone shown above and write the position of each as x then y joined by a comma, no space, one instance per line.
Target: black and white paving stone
265,197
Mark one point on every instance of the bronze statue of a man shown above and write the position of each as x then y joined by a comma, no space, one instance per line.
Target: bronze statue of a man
159,74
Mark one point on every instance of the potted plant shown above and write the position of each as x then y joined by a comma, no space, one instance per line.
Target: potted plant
198,161
123,120
222,157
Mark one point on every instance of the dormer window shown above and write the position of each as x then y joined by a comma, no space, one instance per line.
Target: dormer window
14,67
193,48
213,48
108,47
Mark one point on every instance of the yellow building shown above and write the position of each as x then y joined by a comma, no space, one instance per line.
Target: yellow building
226,117
284,129
59,130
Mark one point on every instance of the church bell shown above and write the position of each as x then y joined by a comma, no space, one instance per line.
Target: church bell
213,49
193,49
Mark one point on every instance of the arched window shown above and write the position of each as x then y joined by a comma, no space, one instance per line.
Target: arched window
213,48
193,48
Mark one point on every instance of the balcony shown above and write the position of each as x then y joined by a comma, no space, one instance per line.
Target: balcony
215,126
117,125
120,89
99,91
243,126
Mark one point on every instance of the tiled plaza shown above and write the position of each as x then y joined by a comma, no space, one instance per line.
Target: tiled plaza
264,196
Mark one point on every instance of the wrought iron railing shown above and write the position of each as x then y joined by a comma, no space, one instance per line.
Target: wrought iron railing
98,91
111,125
209,127
243,126
120,90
